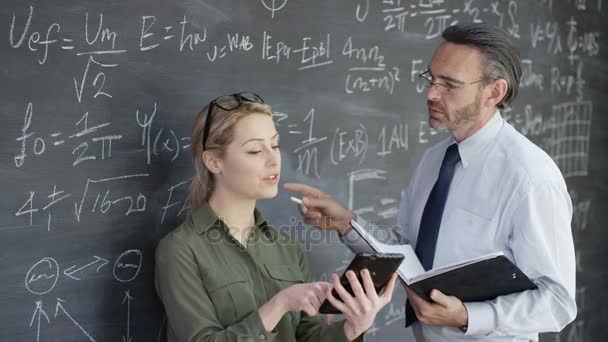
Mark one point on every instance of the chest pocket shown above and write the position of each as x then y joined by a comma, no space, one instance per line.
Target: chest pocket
285,275
231,296
472,233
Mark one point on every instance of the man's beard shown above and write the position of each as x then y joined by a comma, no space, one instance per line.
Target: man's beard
458,117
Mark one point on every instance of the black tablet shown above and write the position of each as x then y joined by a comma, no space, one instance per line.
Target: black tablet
380,266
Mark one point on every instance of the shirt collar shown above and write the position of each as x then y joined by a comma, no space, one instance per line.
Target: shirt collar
204,218
471,147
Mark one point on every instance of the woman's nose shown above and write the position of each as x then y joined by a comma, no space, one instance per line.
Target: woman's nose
273,157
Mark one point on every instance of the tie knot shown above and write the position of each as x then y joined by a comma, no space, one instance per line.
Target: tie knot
451,155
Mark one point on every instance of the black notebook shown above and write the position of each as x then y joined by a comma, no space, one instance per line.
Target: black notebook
473,280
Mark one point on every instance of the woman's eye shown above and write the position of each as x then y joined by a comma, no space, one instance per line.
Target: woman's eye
276,147
254,152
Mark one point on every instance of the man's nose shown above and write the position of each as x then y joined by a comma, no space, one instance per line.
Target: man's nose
432,93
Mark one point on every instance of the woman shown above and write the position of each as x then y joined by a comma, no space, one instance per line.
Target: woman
224,274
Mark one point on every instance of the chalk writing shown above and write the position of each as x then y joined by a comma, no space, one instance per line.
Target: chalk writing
127,266
571,129
312,54
345,144
274,5
42,276
39,146
372,74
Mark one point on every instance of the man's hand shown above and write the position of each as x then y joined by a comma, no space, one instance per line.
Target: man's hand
321,210
443,310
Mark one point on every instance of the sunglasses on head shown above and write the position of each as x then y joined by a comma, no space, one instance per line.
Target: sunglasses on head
227,102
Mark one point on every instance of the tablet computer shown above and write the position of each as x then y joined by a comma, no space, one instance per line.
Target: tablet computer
380,266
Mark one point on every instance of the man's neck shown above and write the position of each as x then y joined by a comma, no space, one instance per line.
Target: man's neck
468,129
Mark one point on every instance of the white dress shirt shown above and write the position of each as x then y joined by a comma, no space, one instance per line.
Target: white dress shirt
506,195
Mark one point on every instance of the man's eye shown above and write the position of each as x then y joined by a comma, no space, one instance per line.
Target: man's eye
254,152
276,147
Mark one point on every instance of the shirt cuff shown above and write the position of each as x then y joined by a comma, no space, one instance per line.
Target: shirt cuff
352,235
352,238
256,328
482,319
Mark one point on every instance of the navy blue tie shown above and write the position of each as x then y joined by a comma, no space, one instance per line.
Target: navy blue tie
431,217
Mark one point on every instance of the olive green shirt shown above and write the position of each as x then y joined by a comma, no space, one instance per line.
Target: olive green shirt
212,286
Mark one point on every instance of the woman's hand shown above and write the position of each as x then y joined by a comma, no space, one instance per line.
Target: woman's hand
360,310
305,297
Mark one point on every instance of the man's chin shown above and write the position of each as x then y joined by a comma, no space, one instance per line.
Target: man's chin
437,124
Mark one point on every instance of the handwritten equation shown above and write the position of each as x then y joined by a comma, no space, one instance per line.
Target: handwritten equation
347,101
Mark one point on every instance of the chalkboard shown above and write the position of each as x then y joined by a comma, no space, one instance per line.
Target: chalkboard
98,99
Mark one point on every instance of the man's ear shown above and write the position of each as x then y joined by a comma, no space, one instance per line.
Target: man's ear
498,91
212,162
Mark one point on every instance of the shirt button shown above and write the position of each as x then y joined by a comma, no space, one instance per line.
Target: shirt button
262,337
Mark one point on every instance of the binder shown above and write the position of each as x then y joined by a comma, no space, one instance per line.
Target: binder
477,279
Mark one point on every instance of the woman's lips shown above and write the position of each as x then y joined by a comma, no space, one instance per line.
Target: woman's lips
272,179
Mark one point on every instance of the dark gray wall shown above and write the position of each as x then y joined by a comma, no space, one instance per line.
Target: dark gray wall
98,98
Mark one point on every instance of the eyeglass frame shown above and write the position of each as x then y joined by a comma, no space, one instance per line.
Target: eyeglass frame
447,89
239,99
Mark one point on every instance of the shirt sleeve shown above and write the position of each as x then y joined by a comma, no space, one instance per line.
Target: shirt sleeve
354,241
190,312
313,329
397,234
542,246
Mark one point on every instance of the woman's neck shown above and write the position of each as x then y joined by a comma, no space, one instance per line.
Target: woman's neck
234,211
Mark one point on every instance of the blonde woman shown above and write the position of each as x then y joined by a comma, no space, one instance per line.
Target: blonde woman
225,274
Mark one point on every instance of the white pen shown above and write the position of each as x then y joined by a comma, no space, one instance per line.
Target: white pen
296,200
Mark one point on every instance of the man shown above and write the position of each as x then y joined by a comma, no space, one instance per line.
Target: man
484,189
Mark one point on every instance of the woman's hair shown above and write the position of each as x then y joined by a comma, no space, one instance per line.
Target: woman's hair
220,135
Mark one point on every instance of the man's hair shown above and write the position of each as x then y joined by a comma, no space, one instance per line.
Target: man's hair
500,56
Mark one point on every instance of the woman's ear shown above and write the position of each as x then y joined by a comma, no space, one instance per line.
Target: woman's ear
498,91
212,162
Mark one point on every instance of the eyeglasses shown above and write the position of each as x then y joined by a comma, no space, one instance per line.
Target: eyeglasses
227,102
442,88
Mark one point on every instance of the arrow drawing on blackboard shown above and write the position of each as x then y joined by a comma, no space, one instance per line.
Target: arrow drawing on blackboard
39,312
59,306
128,299
70,271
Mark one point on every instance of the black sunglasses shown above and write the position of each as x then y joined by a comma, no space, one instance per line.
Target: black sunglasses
227,102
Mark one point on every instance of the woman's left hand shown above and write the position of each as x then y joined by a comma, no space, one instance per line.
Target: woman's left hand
360,310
